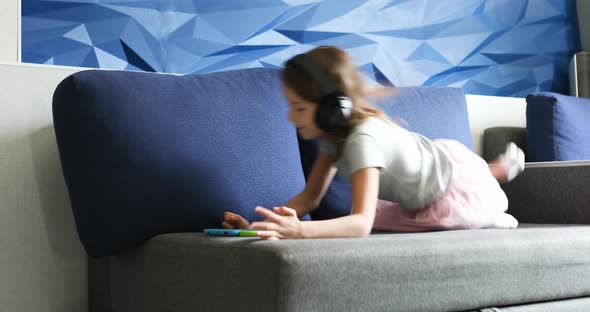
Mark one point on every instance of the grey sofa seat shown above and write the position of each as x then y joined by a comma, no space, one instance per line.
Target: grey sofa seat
437,271
544,265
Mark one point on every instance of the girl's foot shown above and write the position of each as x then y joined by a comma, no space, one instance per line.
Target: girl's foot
509,164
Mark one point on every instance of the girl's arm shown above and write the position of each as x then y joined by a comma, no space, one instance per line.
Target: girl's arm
308,200
365,191
321,175
282,222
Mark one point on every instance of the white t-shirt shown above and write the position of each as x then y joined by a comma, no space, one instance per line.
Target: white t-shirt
414,170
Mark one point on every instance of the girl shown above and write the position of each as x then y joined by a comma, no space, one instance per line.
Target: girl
401,181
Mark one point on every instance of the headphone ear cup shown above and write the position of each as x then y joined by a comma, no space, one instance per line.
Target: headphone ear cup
332,115
322,116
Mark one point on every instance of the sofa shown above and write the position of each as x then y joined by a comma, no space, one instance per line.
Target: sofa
150,160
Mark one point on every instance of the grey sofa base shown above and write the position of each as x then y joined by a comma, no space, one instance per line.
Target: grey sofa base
568,305
437,271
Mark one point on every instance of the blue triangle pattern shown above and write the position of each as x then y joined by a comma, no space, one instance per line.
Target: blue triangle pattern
242,49
426,52
503,48
309,36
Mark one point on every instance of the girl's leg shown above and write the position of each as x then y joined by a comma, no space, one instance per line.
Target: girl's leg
509,164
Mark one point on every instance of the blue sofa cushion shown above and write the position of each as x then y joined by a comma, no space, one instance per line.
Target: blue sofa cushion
558,127
436,112
145,154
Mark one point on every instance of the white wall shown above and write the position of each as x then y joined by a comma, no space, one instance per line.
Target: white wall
42,263
493,111
584,21
9,30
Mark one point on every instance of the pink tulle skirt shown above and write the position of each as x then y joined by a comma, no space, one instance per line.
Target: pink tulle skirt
473,199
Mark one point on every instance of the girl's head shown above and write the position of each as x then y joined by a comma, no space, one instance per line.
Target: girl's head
305,90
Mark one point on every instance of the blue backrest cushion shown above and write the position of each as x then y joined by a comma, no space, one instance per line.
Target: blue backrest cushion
145,154
558,127
436,112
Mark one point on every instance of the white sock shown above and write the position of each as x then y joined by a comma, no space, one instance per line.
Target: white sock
512,161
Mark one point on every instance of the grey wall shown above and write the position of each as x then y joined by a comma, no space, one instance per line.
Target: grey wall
9,24
42,263
584,21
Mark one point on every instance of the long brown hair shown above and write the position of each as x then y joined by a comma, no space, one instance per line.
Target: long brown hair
342,71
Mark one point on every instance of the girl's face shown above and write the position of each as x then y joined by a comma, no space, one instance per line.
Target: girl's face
302,114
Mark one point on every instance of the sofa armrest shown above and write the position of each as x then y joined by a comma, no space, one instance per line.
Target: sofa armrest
496,138
551,192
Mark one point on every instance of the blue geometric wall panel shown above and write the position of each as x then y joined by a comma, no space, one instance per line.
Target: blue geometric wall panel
492,47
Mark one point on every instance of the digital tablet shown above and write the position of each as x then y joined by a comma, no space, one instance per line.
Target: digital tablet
229,232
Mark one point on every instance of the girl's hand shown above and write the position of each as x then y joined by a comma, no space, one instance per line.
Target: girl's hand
279,223
234,221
